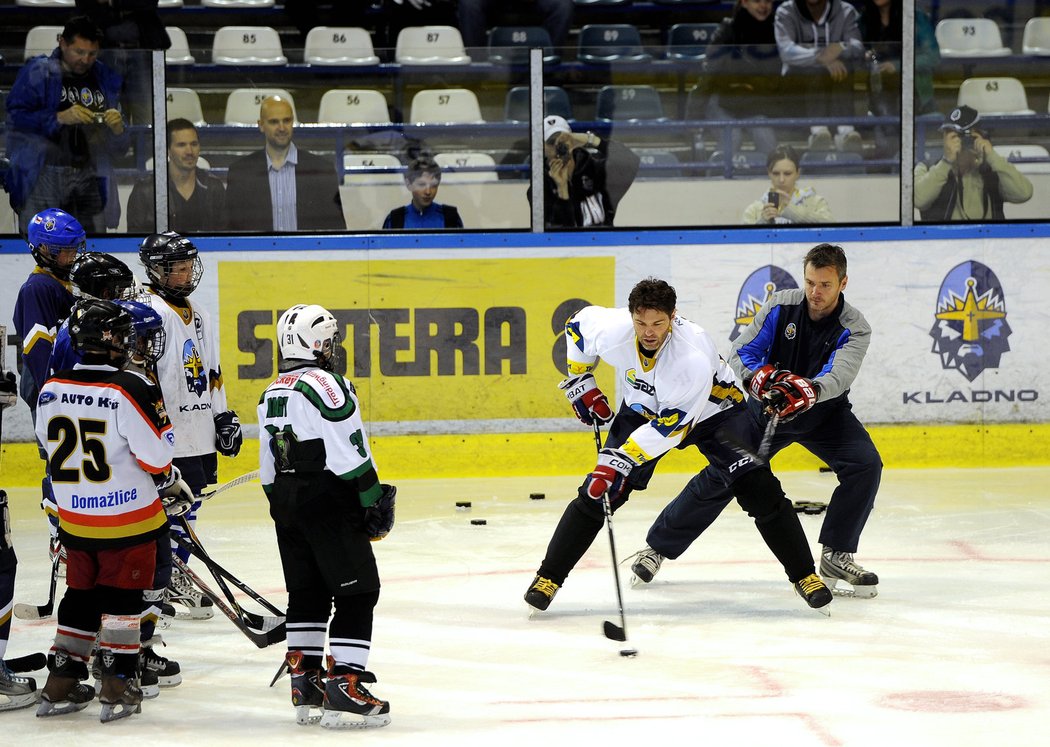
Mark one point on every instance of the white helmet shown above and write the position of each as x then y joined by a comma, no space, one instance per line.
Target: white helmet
307,332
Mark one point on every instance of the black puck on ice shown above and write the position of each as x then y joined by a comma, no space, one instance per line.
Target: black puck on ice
460,505
537,496
478,522
629,653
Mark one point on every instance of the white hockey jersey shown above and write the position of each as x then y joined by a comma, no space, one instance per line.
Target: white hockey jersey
312,403
189,375
684,383
106,433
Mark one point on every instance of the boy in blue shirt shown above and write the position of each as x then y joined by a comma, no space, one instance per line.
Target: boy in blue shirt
422,179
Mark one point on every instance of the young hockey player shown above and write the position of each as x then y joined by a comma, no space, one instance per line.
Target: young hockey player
327,504
191,380
109,445
678,392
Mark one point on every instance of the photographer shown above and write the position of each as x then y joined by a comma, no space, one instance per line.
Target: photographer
971,181
785,202
584,176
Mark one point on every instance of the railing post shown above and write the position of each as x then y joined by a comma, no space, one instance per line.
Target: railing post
160,142
536,137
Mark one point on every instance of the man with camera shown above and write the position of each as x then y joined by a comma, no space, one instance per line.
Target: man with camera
64,128
971,181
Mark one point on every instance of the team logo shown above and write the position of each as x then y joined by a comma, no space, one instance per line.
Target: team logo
790,331
632,380
46,398
970,330
87,98
193,368
754,293
49,223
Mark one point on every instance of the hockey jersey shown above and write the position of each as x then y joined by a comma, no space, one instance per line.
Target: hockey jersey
313,405
189,375
106,433
685,382
43,303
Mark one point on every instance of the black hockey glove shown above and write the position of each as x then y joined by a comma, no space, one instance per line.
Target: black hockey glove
228,436
8,390
379,517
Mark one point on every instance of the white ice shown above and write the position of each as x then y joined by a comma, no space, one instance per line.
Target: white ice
951,652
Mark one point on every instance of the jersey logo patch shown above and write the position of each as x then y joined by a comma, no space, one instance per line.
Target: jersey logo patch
193,368
790,331
630,378
970,332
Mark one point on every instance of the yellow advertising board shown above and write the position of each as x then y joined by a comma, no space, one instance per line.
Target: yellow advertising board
422,340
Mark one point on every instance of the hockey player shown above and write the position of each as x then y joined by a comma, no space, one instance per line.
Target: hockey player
110,444
327,503
798,357
191,380
678,392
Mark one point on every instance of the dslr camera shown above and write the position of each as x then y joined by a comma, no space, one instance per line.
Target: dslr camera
969,142
99,117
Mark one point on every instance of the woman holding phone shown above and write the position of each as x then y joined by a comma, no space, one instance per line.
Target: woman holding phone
785,202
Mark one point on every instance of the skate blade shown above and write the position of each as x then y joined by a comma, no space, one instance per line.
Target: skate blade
196,613
117,711
47,709
348,720
14,702
847,590
149,692
164,622
637,582
303,717
173,680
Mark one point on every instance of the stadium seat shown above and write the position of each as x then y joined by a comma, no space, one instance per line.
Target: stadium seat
555,101
237,3
179,51
185,103
688,41
46,3
339,45
242,105
445,105
970,37
817,162
247,45
354,164
629,103
1013,152
1036,39
659,164
430,45
41,40
748,162
510,45
611,42
991,96
459,160
353,106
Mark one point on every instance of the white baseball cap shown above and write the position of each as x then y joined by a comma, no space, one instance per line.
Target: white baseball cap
553,124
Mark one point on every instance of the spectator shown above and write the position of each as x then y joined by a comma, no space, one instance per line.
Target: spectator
64,127
819,40
741,71
584,178
971,181
422,179
785,202
476,17
196,199
282,188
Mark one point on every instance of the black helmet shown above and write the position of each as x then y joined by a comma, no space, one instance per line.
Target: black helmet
98,329
159,252
103,276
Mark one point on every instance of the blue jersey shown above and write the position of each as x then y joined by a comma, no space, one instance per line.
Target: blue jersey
42,305
63,356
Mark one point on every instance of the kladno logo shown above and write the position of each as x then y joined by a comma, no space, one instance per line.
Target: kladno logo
754,293
970,332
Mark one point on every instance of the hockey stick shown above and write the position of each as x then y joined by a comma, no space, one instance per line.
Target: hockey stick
612,631
27,663
245,478
40,611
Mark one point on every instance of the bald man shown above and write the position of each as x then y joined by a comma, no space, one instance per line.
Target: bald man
282,188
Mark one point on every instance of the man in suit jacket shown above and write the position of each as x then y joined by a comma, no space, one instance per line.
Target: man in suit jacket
282,188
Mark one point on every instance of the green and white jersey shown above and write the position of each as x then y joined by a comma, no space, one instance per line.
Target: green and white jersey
310,404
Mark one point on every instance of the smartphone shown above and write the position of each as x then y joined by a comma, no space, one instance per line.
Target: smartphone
773,198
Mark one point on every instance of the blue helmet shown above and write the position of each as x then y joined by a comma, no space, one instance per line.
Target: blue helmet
149,330
52,231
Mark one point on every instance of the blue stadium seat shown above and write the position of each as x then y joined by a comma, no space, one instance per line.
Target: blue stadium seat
659,164
627,103
832,162
510,45
611,42
688,41
555,101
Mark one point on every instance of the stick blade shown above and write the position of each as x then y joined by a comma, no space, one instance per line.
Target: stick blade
614,632
33,611
27,663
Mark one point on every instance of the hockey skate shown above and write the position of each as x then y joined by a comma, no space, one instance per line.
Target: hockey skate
120,697
646,566
16,692
156,671
838,566
348,704
308,689
181,591
64,692
541,593
816,594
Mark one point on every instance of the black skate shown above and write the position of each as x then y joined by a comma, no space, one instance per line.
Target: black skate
120,697
307,689
838,566
816,594
541,593
348,704
64,692
15,691
167,671
646,566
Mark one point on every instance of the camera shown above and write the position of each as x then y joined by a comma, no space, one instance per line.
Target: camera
99,117
969,142
561,149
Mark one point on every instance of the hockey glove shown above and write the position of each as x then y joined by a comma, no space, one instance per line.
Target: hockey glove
588,402
764,378
228,436
8,389
379,517
175,494
610,475
789,397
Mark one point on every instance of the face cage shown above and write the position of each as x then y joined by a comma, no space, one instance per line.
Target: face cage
149,346
159,271
45,255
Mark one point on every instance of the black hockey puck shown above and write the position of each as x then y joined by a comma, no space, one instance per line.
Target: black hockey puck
460,505
537,496
629,653
478,522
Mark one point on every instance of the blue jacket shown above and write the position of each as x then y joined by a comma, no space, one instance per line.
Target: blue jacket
32,105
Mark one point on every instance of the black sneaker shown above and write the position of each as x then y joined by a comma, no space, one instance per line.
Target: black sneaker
541,593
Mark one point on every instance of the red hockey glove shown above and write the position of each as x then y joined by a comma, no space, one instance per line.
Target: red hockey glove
790,396
610,475
588,402
764,378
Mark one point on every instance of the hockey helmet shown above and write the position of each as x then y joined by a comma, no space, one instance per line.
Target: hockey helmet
307,332
150,337
160,252
51,232
98,329
102,276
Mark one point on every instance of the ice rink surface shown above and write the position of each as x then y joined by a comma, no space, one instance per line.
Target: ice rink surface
953,651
